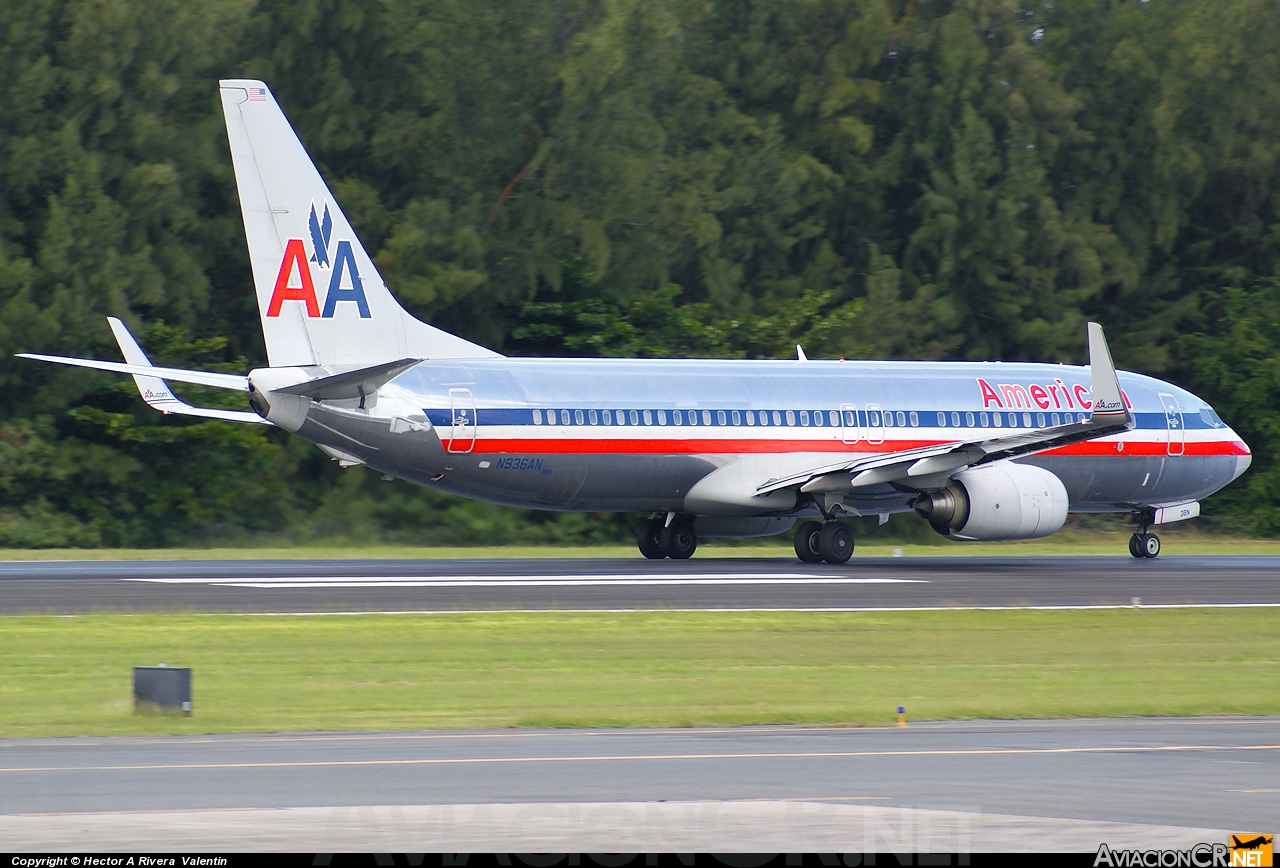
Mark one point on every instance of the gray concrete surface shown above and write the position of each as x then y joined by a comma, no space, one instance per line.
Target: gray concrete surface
790,787
432,585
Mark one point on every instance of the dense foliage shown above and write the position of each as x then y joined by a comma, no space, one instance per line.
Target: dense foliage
887,178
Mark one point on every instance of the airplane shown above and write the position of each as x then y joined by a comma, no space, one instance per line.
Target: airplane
707,448
1252,844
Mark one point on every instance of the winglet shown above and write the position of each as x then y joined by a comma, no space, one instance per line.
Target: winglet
1108,402
156,392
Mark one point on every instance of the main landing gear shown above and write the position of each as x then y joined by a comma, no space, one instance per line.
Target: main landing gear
830,541
1143,544
659,539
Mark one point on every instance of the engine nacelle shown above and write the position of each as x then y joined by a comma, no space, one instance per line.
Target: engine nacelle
1001,501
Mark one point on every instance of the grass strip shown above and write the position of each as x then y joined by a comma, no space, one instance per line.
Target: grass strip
64,675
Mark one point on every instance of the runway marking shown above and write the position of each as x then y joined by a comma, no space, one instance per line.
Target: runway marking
651,580
651,757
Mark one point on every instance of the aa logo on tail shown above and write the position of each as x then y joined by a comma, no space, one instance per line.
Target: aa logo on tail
295,281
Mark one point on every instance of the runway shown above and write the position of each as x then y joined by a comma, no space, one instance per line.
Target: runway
312,586
955,786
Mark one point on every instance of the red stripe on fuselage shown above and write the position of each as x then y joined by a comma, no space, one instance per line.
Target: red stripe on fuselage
718,446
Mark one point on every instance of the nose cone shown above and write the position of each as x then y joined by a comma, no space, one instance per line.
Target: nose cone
1244,455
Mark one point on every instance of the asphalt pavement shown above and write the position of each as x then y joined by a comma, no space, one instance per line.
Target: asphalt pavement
67,587
976,784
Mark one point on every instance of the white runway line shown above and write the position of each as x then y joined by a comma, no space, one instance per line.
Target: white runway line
657,580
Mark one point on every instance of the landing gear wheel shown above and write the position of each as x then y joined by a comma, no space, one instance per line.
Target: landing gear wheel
835,542
649,539
679,540
1135,546
807,542
1150,545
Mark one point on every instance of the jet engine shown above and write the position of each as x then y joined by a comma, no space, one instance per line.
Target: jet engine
1000,501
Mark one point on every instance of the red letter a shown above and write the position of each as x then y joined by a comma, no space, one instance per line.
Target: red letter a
294,252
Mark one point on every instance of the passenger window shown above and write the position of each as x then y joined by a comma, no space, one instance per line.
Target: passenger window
942,420
915,419
648,417
706,417
1013,420
777,418
564,417
955,420
677,417
982,419
537,416
720,417
578,417
621,417
693,417
606,416
592,417
751,418
968,420
850,420
873,418
888,419
662,417
902,419
998,419
1026,420
737,418
635,417
804,418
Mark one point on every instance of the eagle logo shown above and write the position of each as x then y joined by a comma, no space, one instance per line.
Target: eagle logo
321,230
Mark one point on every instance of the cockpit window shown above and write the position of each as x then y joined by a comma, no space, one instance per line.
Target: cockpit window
1211,418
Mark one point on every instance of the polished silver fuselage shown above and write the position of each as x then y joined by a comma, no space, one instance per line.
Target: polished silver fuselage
534,433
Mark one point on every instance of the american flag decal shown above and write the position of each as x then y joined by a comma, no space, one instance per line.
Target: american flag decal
257,94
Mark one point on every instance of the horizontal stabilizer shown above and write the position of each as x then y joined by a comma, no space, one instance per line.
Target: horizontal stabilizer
350,384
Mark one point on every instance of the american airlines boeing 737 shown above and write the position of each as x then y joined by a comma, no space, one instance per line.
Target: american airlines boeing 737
982,451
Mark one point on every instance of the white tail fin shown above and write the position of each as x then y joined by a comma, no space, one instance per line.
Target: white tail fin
320,297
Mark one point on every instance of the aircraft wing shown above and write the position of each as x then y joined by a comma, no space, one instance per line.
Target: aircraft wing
150,379
239,382
1109,416
156,392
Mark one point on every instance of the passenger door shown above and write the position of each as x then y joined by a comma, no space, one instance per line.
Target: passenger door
462,437
1176,437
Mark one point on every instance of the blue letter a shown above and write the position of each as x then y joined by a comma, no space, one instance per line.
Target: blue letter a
345,261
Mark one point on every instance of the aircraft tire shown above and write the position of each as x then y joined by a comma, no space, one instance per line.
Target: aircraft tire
649,539
835,542
1135,546
679,540
1150,545
807,542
